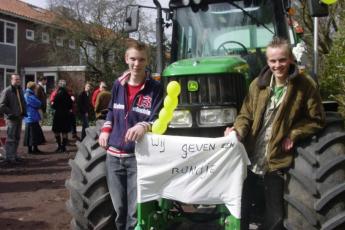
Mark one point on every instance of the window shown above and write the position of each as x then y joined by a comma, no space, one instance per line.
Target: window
2,79
2,31
45,37
59,41
5,77
71,44
10,30
7,32
30,35
9,72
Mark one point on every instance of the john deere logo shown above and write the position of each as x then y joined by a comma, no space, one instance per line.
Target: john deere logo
193,86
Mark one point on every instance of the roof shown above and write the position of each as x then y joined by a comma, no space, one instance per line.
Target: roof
26,11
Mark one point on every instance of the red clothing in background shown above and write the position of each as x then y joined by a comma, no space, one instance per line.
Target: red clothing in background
94,96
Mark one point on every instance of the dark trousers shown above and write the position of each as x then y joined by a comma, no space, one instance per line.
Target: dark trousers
14,128
85,124
263,195
73,124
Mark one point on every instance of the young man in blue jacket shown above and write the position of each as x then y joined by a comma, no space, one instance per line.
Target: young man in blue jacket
135,104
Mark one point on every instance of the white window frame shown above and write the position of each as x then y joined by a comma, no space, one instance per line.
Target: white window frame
28,37
71,44
8,70
59,41
14,27
45,37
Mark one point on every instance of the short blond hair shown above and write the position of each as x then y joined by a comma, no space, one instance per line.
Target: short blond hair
138,45
278,42
31,85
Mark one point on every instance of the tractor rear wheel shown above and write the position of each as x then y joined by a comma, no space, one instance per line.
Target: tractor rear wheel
89,202
315,193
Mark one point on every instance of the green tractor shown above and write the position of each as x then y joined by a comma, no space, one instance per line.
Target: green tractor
217,48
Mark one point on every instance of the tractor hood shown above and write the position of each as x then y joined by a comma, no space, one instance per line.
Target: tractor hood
207,65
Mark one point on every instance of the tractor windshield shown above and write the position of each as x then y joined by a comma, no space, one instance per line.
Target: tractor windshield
220,29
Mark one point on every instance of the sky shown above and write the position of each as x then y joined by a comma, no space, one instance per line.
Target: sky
164,4
44,3
40,3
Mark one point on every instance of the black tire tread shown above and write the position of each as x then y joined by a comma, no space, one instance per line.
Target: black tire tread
89,203
305,211
77,172
329,140
305,182
316,181
83,150
93,182
95,161
328,166
307,155
334,222
329,195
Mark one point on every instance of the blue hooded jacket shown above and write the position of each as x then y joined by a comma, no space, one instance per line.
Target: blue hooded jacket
32,106
145,108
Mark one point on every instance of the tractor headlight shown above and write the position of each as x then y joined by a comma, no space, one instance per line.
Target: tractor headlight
217,117
181,119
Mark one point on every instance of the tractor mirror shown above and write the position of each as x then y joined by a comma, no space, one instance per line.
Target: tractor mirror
132,19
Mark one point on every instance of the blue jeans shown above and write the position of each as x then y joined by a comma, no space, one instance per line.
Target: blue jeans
122,184
14,127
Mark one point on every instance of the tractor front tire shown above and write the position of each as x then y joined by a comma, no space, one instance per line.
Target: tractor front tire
89,203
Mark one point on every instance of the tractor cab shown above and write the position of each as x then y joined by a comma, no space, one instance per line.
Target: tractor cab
217,48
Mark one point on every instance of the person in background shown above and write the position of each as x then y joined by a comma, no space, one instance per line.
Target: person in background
102,102
62,104
282,107
12,105
84,106
95,94
52,95
73,114
33,135
135,103
42,95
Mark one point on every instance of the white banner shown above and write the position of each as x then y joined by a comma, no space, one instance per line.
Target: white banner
192,170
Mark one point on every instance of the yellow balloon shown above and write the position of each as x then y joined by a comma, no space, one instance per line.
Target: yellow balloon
165,115
159,127
173,88
170,103
329,2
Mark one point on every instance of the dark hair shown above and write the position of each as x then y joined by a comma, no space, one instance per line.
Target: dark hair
283,43
42,78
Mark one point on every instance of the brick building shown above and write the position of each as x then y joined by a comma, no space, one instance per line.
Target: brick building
27,37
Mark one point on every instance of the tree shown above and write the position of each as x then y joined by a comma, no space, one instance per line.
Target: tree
333,74
331,60
96,26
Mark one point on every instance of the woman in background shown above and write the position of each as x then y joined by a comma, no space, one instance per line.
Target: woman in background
61,120
33,132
